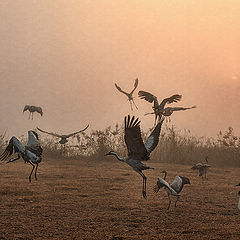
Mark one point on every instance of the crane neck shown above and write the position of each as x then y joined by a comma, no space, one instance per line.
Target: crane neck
165,175
116,155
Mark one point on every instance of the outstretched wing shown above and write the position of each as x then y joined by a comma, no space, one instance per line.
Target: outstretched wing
26,108
153,139
173,98
32,139
197,166
72,134
14,146
162,183
147,96
120,90
177,184
133,139
172,109
50,133
135,86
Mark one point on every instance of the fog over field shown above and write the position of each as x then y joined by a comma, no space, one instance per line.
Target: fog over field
66,55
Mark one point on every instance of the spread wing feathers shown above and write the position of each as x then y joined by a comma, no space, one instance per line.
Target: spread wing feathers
133,139
14,146
177,184
147,96
158,186
135,86
173,98
120,90
72,134
178,108
197,166
50,133
162,183
153,139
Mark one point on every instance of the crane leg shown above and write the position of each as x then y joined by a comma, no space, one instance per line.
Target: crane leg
131,104
176,201
29,115
169,201
144,193
32,115
14,159
134,104
36,171
30,176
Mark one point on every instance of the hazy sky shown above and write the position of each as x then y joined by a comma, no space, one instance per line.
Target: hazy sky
66,55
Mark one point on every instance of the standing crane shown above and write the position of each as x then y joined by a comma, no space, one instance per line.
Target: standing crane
174,189
129,95
32,109
31,153
158,108
137,150
202,168
64,137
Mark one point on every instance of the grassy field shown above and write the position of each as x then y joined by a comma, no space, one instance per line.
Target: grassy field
74,199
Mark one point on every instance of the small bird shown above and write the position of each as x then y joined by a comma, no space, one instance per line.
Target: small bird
129,95
31,153
137,150
64,138
239,201
32,109
158,108
202,168
174,189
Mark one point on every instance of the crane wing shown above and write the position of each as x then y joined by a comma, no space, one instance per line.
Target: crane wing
167,186
50,133
133,139
39,110
14,146
173,98
153,139
178,108
177,184
72,134
135,86
120,90
147,96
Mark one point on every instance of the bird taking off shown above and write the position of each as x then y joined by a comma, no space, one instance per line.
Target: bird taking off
202,168
129,95
137,150
158,108
174,189
32,109
64,138
31,153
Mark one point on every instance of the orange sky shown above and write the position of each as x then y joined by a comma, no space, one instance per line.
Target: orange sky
66,55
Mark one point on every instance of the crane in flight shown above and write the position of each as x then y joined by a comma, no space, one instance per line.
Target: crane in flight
32,109
64,137
31,153
137,150
158,109
129,95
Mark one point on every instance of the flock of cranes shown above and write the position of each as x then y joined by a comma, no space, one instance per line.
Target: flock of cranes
138,151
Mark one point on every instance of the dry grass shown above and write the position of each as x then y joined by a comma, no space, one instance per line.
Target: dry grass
73,199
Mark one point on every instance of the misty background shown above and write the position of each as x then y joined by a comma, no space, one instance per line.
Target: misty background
66,55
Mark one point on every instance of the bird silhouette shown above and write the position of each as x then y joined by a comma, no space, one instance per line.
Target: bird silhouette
202,168
158,108
129,95
137,150
64,137
31,153
32,109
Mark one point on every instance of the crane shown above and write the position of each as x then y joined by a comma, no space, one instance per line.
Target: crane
137,150
158,108
31,153
129,95
63,138
202,168
32,109
174,189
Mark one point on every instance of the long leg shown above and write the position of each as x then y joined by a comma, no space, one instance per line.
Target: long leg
14,159
144,183
176,201
32,115
169,201
36,171
29,116
135,104
31,172
131,104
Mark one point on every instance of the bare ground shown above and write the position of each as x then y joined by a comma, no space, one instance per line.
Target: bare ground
73,199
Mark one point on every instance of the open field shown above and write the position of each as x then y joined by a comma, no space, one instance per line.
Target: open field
74,199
